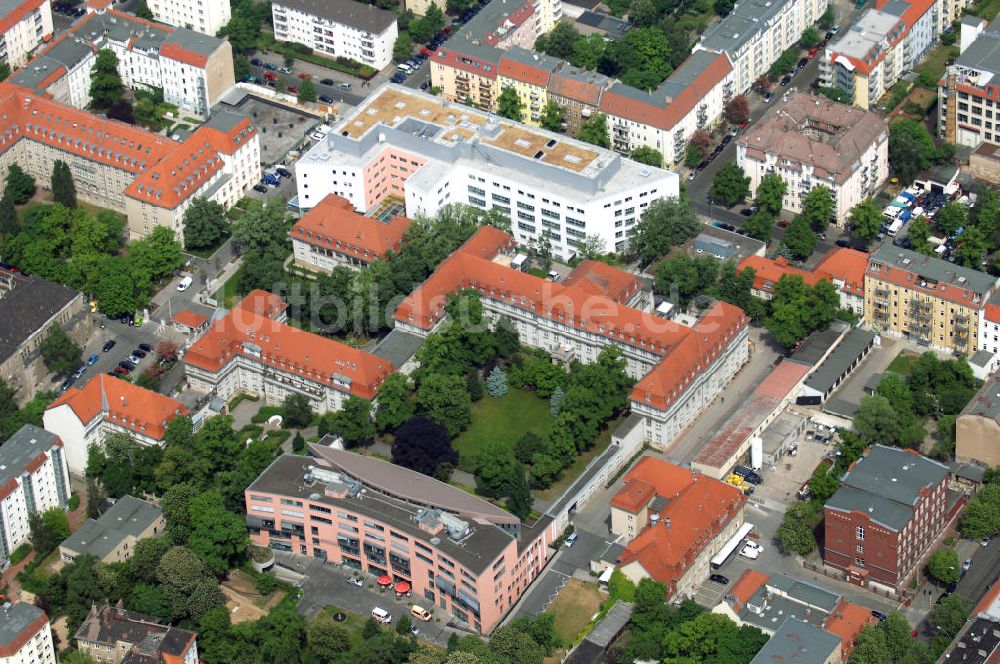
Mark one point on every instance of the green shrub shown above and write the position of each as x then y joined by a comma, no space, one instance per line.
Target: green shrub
20,553
265,412
74,502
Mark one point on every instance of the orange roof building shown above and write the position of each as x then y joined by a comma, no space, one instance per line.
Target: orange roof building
846,622
333,234
189,320
843,267
104,405
252,346
676,521
589,309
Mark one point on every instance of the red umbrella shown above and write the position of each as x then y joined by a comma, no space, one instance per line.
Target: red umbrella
385,580
402,587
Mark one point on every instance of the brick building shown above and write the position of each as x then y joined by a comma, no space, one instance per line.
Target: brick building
889,509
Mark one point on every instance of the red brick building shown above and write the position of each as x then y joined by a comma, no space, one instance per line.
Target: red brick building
890,507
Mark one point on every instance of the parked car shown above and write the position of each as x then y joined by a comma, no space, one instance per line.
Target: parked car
782,223
293,90
425,85
283,172
755,546
878,615
268,66
256,62
284,70
785,80
748,474
355,581
304,75
134,359
420,613
749,553
126,365
326,99
718,578
108,346
967,565
571,540
146,347
344,86
813,52
802,63
692,175
140,353
426,51
768,97
119,371
326,81
262,188
80,370
271,180
92,359
398,77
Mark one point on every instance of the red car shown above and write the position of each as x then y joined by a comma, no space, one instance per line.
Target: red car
294,90
303,75
813,52
426,52
270,76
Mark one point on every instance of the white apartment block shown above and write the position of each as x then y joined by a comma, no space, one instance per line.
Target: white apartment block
193,70
417,147
681,365
883,44
968,97
204,16
23,25
33,479
811,141
85,416
755,34
25,635
338,28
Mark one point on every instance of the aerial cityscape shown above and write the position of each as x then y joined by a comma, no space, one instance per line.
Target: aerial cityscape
500,331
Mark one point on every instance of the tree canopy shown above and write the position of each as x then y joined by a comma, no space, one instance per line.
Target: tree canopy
666,223
730,185
106,85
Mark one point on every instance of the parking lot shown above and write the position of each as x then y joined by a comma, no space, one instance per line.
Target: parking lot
281,129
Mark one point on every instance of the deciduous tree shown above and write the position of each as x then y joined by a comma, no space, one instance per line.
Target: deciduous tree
422,445
444,399
595,131
647,155
509,104
353,422
495,467
730,185
60,353
943,565
666,223
800,240
395,402
106,86
205,224
770,194
20,186
307,91
553,116
298,412
737,110
865,220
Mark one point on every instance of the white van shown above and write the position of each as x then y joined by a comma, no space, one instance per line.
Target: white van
381,616
184,283
405,68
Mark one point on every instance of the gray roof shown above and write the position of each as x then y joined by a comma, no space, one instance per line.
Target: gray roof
886,484
686,74
347,12
196,42
817,344
739,26
611,625
969,19
797,642
286,477
26,308
741,246
21,449
66,53
805,592
838,363
717,247
129,516
867,33
122,28
612,27
981,358
933,268
986,403
984,53
16,619
967,471
536,60
398,347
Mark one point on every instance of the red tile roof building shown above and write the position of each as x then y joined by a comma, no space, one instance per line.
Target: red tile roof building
333,234
251,350
86,415
24,26
675,521
844,268
128,637
680,368
150,178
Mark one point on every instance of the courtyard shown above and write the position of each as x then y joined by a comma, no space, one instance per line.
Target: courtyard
503,420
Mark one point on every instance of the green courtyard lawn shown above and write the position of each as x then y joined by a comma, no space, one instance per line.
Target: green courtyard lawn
503,420
903,363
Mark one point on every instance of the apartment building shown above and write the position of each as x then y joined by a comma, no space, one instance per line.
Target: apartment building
194,70
333,235
528,73
842,267
680,368
456,554
884,43
33,478
755,34
198,15
413,146
23,26
114,635
85,416
926,299
112,537
977,429
338,28
25,635
889,509
148,177
252,350
29,308
673,521
968,96
811,141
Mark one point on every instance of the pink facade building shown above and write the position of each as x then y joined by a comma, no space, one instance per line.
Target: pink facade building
461,555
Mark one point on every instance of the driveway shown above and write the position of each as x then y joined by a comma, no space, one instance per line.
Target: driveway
326,584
